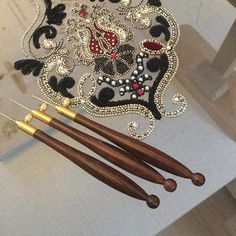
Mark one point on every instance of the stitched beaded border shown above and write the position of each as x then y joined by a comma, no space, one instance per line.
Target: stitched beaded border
59,56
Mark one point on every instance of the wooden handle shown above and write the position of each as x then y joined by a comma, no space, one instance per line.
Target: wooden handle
99,170
115,155
143,151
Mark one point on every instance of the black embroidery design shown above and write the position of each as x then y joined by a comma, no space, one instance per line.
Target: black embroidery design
161,28
119,62
62,86
55,16
27,66
106,95
110,56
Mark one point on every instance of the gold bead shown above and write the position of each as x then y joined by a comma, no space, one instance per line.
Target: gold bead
43,107
66,102
28,118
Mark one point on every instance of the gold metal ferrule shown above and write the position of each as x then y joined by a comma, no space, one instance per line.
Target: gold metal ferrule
29,129
66,112
42,116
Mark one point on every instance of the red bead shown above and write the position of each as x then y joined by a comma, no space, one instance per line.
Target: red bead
113,57
83,13
140,92
150,45
135,86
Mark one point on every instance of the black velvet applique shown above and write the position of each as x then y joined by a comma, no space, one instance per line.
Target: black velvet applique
161,28
156,3
108,44
54,16
62,86
27,66
106,94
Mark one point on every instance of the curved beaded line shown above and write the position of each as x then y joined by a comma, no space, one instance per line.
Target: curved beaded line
54,50
160,92
28,30
170,74
92,109
123,110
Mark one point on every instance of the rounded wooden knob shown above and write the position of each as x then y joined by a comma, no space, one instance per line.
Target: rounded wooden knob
153,201
198,179
170,185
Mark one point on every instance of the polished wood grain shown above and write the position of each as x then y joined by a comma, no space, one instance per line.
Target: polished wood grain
99,170
115,155
142,151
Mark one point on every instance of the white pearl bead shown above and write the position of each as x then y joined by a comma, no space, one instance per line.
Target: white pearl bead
139,60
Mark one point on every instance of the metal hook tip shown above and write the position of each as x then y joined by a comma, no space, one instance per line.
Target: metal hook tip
17,103
8,117
40,99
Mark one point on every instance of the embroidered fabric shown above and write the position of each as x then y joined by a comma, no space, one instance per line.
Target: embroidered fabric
126,51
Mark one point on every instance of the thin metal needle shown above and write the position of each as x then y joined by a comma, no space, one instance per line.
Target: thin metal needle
43,101
8,117
17,103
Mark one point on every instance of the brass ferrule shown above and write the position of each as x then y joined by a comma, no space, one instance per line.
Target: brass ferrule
29,129
42,116
66,112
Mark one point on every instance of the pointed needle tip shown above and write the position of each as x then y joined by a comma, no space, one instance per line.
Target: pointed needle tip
40,99
8,117
17,103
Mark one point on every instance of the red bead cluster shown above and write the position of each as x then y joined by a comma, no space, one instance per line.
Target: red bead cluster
136,87
156,46
98,44
151,46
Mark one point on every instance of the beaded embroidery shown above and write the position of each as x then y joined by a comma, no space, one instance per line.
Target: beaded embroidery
125,79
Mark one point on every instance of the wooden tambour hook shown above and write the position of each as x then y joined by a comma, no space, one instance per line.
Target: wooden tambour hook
140,149
109,152
94,167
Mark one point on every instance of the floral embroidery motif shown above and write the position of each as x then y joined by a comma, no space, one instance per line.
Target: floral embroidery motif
118,62
135,84
96,37
99,38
